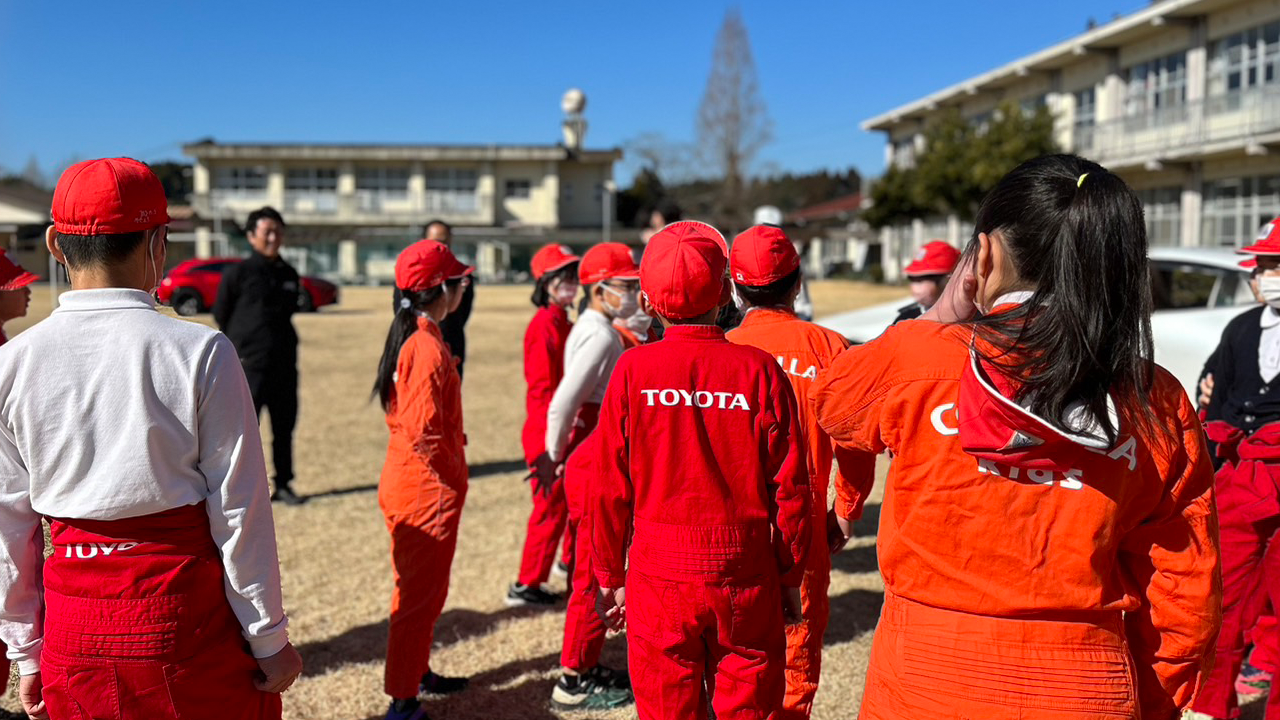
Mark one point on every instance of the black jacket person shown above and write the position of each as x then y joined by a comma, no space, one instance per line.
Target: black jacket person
255,306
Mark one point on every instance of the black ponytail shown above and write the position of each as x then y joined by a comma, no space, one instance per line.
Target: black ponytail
1076,235
541,288
402,326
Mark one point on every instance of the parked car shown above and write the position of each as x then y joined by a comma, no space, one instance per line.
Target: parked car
192,286
1196,292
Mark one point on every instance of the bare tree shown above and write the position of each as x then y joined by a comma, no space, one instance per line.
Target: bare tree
670,161
33,174
733,123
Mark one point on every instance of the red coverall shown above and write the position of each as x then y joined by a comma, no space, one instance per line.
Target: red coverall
138,624
713,497
803,350
421,492
543,367
1249,509
584,632
1029,574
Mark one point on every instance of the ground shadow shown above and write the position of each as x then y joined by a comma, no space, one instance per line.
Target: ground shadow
475,472
497,693
860,559
368,643
852,614
869,524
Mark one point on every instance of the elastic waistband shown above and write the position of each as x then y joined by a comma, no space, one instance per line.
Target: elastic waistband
703,552
1091,627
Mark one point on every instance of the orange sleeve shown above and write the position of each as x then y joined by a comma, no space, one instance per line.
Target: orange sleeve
1173,558
848,396
855,475
787,471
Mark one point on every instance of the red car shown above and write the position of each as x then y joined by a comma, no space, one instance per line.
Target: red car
192,286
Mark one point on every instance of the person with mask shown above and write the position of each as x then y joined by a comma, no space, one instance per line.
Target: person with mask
255,305
555,272
1241,400
927,275
610,280
636,330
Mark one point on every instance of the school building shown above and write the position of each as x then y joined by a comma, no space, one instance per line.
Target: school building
1181,98
351,208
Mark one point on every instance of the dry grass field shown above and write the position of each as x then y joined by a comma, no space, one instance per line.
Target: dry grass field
334,549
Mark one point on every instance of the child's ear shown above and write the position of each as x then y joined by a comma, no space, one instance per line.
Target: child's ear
645,306
51,242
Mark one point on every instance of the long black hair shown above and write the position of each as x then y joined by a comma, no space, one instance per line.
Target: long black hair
1075,233
402,326
541,289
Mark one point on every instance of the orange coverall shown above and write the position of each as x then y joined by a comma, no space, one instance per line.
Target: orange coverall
1029,573
421,491
803,350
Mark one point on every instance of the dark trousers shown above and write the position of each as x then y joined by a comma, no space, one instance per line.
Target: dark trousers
276,389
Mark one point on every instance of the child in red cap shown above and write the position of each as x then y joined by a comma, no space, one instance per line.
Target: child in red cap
424,479
610,279
15,292
134,434
927,275
555,275
765,268
697,533
1241,402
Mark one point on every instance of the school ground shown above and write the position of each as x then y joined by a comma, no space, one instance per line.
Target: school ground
334,549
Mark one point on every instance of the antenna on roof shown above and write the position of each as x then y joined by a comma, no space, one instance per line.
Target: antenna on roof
574,125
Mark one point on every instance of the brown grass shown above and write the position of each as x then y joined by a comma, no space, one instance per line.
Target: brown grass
334,550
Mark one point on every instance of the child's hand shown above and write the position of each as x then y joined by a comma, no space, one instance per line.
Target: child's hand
32,698
277,673
612,606
1206,390
791,605
544,474
839,531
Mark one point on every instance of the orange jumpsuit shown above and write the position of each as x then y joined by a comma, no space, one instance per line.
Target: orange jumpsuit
1028,573
421,491
803,350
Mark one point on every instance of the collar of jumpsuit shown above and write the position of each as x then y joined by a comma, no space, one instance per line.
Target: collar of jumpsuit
104,299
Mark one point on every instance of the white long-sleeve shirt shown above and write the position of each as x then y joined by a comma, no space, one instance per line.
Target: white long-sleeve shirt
110,410
591,351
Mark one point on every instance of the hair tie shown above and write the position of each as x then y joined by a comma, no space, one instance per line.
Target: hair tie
1080,181
405,304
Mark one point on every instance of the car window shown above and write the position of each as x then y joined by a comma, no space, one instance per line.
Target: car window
1176,286
213,268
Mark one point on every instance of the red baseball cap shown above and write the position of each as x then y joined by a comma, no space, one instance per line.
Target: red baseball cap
107,197
935,258
425,264
762,255
608,261
551,258
682,272
1249,263
1267,242
12,276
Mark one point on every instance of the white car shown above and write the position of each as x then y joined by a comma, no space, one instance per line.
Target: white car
1197,292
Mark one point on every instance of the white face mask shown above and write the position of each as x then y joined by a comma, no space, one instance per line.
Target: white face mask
1269,288
638,323
738,302
628,302
564,292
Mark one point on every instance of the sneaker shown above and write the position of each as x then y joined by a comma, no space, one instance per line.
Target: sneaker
433,684
560,569
1252,681
610,677
586,692
525,595
286,495
409,709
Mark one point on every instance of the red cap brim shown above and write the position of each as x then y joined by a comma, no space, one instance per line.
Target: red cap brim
23,280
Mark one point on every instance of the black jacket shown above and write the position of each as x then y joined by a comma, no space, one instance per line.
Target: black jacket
256,302
909,312
1240,397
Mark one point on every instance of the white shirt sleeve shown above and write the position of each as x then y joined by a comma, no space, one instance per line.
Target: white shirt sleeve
238,503
586,366
21,560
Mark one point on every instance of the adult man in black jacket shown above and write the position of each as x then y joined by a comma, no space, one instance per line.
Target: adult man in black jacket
255,306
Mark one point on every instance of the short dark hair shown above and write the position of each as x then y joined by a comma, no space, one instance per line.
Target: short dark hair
541,295
935,277
99,250
266,211
437,221
772,295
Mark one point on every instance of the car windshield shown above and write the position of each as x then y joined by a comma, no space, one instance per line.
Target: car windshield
1177,286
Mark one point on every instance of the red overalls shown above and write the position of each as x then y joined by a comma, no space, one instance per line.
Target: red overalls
584,632
544,342
421,493
1029,574
137,624
1249,512
702,468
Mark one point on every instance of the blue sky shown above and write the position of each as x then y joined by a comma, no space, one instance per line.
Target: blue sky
82,79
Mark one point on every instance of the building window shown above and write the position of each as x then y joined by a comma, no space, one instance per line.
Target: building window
518,189
452,190
311,189
1156,93
1030,105
1086,116
1235,208
566,192
383,180
1162,208
240,180
1241,62
904,153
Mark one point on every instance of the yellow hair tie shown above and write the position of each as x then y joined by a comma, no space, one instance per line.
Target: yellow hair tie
1080,182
